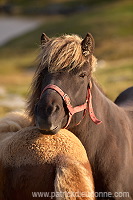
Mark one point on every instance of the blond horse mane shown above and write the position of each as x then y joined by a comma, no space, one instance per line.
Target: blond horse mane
57,54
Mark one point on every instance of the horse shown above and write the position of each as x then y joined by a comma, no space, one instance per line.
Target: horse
65,94
37,165
125,99
13,122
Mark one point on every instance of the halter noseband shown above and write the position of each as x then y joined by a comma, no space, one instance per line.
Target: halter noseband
72,110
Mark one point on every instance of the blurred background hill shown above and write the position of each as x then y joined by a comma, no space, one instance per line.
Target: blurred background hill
110,22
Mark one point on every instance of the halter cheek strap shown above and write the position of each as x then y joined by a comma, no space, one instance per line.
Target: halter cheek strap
72,110
91,111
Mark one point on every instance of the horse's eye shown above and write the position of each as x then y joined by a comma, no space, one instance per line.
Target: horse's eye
82,75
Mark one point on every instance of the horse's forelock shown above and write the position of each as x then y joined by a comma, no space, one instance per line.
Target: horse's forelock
62,53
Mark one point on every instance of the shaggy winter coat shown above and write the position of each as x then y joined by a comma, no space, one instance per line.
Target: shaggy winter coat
31,162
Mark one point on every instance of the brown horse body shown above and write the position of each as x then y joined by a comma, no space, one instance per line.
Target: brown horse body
67,62
36,165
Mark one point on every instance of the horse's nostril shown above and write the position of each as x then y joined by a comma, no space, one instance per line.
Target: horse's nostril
53,109
57,108
49,109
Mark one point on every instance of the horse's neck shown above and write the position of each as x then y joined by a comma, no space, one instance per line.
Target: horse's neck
113,122
106,110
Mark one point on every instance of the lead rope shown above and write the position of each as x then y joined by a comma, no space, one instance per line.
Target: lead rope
90,108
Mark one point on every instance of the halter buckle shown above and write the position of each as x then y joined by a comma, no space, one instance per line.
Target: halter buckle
66,99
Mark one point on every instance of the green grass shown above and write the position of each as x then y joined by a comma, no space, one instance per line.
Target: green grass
115,77
111,26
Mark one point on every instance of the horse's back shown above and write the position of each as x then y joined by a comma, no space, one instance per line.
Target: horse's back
14,122
33,164
125,99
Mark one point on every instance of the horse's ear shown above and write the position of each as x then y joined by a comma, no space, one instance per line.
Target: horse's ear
44,39
88,45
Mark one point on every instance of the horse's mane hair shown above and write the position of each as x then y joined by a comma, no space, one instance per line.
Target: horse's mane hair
61,53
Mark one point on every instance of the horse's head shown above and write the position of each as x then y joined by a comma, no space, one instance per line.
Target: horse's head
65,66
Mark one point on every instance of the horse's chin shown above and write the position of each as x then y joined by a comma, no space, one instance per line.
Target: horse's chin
50,132
47,129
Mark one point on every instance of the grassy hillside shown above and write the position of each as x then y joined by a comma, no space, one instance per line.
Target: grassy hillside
111,26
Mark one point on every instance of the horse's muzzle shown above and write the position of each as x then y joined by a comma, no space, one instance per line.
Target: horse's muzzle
47,128
49,113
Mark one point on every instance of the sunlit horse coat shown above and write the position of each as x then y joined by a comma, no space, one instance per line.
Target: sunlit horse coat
31,162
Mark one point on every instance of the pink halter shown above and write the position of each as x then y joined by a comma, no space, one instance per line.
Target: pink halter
72,110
